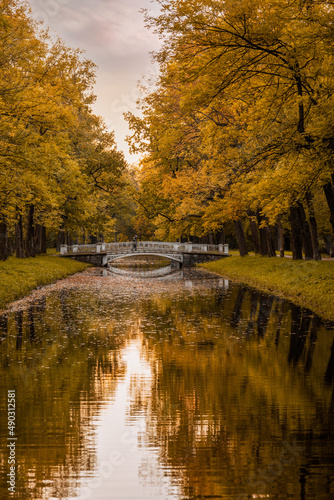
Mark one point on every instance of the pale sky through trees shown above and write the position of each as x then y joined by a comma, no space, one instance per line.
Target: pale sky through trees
113,34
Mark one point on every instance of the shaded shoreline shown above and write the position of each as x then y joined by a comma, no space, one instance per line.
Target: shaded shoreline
309,284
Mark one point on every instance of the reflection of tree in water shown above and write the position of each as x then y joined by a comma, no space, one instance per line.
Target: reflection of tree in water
3,328
221,414
266,302
300,323
236,313
228,386
19,328
329,374
60,380
315,325
253,308
280,315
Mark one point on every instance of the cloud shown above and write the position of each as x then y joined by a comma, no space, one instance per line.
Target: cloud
100,26
114,37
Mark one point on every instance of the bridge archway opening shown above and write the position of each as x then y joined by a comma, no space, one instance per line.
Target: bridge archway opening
142,260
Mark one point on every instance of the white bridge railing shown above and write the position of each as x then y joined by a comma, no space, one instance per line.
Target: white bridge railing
143,247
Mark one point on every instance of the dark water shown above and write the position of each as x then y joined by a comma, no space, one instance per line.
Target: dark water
178,388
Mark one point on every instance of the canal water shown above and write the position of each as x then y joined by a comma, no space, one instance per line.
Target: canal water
177,388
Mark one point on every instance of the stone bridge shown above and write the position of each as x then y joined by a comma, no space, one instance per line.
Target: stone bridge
180,254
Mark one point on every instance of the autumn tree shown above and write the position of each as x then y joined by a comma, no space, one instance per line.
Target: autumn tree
256,79
59,164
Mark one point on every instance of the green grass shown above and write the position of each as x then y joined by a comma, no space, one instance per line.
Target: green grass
309,284
19,276
52,251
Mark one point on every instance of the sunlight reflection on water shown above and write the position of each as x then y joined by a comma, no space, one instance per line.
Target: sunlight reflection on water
178,388
121,449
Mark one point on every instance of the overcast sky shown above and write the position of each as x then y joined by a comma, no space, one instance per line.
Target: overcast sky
113,34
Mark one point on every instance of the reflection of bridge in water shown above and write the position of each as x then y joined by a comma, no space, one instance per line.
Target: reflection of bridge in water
153,273
179,254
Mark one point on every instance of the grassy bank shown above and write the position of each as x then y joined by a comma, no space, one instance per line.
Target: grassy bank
19,276
309,284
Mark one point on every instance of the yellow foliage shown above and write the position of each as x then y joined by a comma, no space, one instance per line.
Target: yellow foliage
240,119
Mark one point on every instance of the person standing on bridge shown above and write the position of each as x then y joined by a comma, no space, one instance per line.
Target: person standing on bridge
134,243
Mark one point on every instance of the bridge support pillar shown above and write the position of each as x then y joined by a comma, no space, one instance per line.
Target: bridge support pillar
104,260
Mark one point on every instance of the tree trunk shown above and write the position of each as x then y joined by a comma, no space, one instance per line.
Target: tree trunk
43,242
255,233
38,239
270,243
296,235
267,248
305,230
30,250
241,240
19,236
329,192
58,242
263,239
4,251
221,240
313,228
280,233
61,239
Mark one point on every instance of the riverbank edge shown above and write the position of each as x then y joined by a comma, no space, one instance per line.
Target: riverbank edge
309,284
19,277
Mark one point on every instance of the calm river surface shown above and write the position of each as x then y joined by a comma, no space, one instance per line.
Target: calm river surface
177,388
